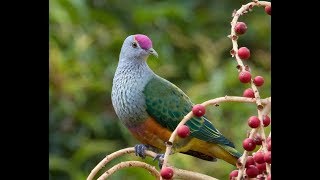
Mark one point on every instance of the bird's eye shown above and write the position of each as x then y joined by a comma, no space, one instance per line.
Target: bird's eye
134,45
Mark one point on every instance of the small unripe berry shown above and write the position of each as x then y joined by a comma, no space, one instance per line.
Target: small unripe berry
257,139
198,110
266,120
245,76
254,122
252,171
248,93
248,144
233,174
267,157
259,157
183,131
244,53
166,173
267,9
261,167
249,161
240,28
258,81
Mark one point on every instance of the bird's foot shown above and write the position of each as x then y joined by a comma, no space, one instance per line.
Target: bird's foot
140,150
159,158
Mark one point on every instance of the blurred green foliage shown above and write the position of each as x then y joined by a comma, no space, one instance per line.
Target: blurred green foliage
191,39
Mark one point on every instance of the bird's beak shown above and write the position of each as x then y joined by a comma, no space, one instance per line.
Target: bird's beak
153,52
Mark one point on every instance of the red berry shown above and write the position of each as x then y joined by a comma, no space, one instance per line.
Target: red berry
267,9
254,122
261,167
269,177
233,174
258,81
166,173
266,120
267,157
252,171
248,93
257,139
249,161
245,76
199,110
240,28
248,144
244,53
259,157
183,131
269,145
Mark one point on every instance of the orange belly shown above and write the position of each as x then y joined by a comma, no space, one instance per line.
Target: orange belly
152,133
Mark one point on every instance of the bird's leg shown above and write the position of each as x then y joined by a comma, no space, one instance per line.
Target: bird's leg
159,158
140,150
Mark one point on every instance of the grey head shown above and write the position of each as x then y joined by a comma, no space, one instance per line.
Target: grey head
136,46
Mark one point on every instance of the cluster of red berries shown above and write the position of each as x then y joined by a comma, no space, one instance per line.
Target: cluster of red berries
249,144
244,53
255,166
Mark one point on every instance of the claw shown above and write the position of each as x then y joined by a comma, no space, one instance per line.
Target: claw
140,150
159,157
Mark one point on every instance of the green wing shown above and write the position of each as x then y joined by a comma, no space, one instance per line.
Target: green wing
167,104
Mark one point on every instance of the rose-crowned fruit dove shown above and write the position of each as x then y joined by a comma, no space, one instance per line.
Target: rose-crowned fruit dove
151,108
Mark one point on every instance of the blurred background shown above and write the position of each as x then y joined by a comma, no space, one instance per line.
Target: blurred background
194,53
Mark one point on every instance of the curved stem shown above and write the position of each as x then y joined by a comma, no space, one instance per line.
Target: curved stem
125,164
244,9
233,36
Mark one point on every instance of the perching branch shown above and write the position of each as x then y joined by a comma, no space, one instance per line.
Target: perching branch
125,164
114,155
178,173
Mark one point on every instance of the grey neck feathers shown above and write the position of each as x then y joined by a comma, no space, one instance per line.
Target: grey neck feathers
127,91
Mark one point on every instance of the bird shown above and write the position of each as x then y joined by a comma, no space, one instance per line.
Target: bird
151,107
